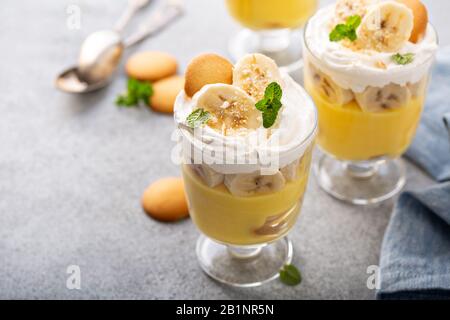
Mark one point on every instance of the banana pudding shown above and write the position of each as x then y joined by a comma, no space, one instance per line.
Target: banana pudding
367,66
247,152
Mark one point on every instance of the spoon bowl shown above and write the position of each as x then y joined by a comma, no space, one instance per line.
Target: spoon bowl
100,55
70,81
101,52
98,60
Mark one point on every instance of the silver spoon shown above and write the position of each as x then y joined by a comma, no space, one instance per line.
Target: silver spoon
132,7
98,52
102,49
101,52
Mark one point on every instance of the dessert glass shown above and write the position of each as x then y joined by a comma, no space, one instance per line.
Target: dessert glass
271,28
243,238
361,150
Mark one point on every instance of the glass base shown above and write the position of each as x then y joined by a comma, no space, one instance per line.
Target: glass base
360,183
243,266
283,45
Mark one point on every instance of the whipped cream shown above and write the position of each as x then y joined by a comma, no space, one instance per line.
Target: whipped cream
358,70
288,141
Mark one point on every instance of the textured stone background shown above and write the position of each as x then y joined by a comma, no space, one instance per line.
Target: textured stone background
72,170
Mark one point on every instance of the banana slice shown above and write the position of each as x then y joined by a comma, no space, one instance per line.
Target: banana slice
347,8
386,27
232,110
208,175
418,89
244,185
328,88
392,96
290,172
254,72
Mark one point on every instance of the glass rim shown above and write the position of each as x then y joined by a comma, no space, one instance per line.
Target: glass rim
188,133
306,45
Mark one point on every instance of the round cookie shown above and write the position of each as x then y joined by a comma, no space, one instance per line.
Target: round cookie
420,19
207,69
151,65
165,92
165,200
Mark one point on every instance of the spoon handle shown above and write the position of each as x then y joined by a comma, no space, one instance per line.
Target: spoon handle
158,20
132,7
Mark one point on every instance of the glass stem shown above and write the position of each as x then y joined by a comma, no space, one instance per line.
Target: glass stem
244,252
274,40
363,170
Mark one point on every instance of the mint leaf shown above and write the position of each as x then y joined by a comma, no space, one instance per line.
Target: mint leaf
351,35
270,104
273,92
347,30
269,117
353,22
261,105
197,118
290,275
338,33
137,91
403,59
126,101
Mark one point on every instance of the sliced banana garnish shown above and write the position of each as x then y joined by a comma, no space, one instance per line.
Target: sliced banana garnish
328,88
208,175
254,72
244,185
386,27
347,8
290,172
379,99
232,111
418,89
277,224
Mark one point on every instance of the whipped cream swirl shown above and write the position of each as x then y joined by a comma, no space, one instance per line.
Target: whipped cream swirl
358,70
287,141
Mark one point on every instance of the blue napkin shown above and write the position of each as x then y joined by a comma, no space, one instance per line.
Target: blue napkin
415,254
431,147
447,121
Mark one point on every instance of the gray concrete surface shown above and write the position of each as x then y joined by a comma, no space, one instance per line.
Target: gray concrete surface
72,170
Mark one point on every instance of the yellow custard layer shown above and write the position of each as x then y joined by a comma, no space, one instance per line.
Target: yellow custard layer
270,14
245,220
348,133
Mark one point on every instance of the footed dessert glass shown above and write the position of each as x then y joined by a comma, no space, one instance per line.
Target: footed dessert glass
364,131
272,28
245,178
243,241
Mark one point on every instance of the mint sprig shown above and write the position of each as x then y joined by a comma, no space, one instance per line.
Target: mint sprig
347,30
290,275
403,59
270,104
137,91
197,118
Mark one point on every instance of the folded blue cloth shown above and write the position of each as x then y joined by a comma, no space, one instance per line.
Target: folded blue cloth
431,147
415,254
415,258
447,121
